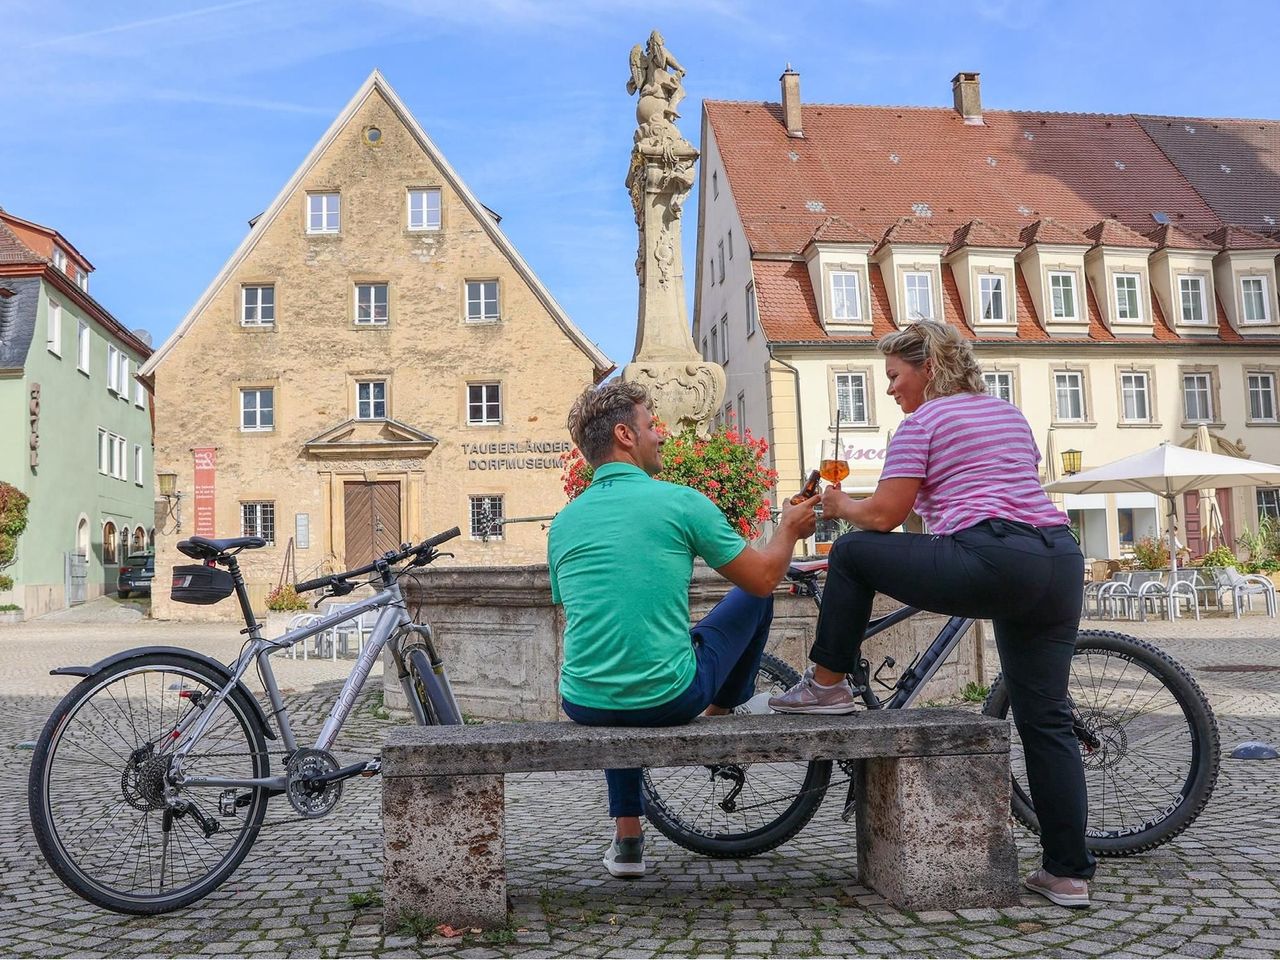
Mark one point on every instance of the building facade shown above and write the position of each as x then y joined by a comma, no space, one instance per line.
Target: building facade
375,363
75,423
1116,285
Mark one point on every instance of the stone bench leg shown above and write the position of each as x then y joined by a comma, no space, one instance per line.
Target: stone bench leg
444,851
933,832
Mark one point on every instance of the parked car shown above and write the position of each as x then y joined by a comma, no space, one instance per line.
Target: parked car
136,574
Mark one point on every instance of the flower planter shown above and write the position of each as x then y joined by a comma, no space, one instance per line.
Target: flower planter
10,617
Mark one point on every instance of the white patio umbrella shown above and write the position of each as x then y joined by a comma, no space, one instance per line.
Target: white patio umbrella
1170,471
1050,461
1211,524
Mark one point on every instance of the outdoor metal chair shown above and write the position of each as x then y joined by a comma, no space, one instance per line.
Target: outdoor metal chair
1181,586
301,620
1243,588
1117,586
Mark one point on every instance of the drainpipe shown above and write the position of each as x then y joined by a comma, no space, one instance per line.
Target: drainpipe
799,419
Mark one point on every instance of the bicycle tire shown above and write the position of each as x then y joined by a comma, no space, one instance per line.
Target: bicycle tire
1191,739
133,780
435,703
673,808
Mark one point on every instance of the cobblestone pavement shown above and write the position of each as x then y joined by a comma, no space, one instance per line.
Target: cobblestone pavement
310,888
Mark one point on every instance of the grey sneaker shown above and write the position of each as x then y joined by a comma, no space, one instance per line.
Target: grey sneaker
1064,891
810,697
625,857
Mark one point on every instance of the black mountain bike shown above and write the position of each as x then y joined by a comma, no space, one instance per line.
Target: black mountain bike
1147,735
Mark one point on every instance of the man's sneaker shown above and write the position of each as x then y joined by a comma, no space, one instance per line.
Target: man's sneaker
625,857
1064,891
808,696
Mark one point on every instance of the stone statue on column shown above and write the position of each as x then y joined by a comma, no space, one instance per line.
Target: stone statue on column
686,389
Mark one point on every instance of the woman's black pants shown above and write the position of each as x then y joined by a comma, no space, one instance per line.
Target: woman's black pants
1028,581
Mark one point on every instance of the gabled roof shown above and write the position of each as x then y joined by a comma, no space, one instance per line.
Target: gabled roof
377,83
1113,233
13,250
1232,237
840,230
371,438
979,233
1167,236
46,233
1048,230
912,231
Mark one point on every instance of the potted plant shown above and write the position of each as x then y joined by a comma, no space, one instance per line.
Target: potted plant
283,603
1151,554
10,613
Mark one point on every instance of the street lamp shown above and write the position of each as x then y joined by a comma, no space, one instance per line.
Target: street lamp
1071,461
172,497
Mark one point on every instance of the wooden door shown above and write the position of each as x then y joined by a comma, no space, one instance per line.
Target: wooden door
372,512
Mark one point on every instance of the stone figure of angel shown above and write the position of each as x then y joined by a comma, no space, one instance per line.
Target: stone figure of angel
655,74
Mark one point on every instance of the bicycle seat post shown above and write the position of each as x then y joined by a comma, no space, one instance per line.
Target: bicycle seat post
242,594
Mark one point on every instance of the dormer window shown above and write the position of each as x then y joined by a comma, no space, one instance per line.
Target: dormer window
1253,300
60,258
1191,298
846,301
919,287
82,280
1062,291
1127,303
991,292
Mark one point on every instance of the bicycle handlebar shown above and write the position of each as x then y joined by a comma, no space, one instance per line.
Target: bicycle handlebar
425,547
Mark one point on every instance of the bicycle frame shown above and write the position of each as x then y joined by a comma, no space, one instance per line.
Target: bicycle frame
188,732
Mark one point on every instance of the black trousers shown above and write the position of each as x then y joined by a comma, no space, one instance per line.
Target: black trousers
1029,582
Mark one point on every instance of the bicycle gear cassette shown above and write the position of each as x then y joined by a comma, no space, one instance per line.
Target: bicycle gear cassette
308,798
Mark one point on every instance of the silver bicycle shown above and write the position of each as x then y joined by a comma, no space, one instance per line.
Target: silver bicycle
150,780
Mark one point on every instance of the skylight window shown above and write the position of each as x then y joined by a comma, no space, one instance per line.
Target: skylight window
894,158
1189,128
1028,135
1160,217
1119,164
921,210
991,161
815,206
1224,168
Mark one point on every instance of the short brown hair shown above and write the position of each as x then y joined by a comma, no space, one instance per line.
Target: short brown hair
955,369
598,410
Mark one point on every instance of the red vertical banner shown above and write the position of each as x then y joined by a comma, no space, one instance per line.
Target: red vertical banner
205,463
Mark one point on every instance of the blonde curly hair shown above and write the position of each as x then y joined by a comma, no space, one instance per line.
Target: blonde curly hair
953,367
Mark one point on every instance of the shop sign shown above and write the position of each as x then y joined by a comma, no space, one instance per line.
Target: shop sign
205,460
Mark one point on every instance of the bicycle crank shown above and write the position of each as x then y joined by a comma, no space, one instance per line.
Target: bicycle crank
308,783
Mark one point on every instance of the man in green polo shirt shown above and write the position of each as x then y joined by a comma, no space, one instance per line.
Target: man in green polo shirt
621,558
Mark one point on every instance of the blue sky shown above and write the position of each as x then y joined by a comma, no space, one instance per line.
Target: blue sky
150,132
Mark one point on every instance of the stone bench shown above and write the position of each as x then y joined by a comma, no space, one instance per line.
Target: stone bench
932,812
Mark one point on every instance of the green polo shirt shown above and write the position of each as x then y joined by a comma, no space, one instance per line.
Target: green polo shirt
621,557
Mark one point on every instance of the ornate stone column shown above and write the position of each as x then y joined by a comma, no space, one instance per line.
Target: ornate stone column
687,390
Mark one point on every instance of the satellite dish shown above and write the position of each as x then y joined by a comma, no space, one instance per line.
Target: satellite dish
143,335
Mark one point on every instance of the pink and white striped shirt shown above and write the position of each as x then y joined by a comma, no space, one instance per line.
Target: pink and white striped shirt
978,460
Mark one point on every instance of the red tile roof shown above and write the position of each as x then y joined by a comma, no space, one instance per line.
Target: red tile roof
1049,230
839,230
1113,233
1232,237
13,250
1168,236
979,233
913,231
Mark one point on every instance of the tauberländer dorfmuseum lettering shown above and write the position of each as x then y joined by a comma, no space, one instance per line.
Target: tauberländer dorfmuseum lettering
516,454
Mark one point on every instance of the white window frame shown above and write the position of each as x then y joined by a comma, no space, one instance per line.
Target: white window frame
1264,391
990,290
257,409
137,464
1198,294
996,382
477,298
753,316
328,208
1207,381
1266,301
59,258
257,308
124,376
853,377
119,452
53,328
724,339
840,280
1070,279
82,280
1121,302
1135,385
485,502
912,290
84,348
367,400
484,403
139,395
742,413
367,299
1072,381
254,516
104,452
424,216
715,343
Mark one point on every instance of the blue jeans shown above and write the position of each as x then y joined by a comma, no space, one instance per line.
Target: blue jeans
728,643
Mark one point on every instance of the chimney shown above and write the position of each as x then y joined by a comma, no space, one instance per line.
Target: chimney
791,102
967,95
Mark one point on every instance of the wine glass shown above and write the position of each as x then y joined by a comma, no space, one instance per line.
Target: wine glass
834,466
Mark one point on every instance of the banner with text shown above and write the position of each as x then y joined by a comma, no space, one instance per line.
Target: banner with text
205,461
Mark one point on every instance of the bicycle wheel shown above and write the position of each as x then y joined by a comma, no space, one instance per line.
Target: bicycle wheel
737,810
437,706
1148,738
99,780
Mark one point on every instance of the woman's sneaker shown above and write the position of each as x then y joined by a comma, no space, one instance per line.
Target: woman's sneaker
808,696
1064,891
625,857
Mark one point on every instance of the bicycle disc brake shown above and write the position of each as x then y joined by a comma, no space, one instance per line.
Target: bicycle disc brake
309,798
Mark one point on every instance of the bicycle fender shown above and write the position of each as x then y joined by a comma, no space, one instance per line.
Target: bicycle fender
220,668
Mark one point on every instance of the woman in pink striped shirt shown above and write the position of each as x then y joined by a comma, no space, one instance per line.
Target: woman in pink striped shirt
997,550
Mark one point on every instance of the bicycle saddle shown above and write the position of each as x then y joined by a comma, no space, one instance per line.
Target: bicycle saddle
203,548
